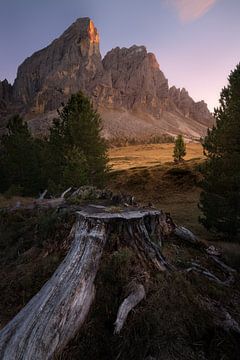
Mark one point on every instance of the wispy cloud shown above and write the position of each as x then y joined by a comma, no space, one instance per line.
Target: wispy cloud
190,10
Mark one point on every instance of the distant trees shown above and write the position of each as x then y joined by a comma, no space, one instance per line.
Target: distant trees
74,155
20,159
220,199
179,149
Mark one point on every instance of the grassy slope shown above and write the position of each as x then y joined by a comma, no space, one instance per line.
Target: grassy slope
150,175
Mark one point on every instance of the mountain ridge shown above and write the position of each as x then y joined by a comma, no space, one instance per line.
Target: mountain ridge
127,86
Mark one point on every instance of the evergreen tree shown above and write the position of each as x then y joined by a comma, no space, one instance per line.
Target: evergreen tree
220,199
76,146
179,149
20,160
76,170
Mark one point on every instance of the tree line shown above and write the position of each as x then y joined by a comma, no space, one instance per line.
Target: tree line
74,154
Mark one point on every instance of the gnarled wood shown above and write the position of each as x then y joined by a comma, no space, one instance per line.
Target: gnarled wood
136,295
54,315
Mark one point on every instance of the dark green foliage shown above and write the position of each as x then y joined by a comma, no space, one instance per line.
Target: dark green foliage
77,152
20,159
179,149
74,155
220,199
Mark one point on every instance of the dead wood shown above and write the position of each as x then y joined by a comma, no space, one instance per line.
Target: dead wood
55,314
136,295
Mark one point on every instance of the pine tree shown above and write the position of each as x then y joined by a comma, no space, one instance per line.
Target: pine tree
76,170
220,199
179,149
77,133
20,160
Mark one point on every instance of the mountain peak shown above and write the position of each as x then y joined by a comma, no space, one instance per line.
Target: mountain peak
85,28
127,81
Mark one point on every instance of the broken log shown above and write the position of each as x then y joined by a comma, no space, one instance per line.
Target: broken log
56,313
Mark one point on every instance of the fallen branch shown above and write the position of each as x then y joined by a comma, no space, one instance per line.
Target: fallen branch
42,196
65,192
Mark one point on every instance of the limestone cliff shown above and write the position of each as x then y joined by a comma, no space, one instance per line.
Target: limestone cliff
72,62
127,87
188,107
136,80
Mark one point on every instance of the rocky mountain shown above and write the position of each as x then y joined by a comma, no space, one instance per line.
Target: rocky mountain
127,86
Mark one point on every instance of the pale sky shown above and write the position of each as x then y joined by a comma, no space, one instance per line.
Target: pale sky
196,41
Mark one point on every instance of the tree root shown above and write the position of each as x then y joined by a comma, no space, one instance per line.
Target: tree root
54,315
221,316
136,295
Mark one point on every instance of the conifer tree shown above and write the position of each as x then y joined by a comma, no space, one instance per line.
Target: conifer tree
179,149
20,160
220,199
75,141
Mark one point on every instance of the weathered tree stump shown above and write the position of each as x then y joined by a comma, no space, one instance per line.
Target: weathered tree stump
56,313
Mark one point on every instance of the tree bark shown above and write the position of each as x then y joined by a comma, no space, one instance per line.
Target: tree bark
56,313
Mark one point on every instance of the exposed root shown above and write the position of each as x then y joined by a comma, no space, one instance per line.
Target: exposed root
221,316
205,272
222,265
136,295
186,235
54,315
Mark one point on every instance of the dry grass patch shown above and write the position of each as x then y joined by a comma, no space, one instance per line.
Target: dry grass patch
149,155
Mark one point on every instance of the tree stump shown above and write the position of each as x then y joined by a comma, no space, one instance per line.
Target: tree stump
56,313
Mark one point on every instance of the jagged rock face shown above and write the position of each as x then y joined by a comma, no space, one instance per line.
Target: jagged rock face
127,86
72,62
180,99
136,80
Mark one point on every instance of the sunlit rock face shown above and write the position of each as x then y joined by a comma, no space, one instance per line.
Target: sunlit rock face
70,63
127,87
136,80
